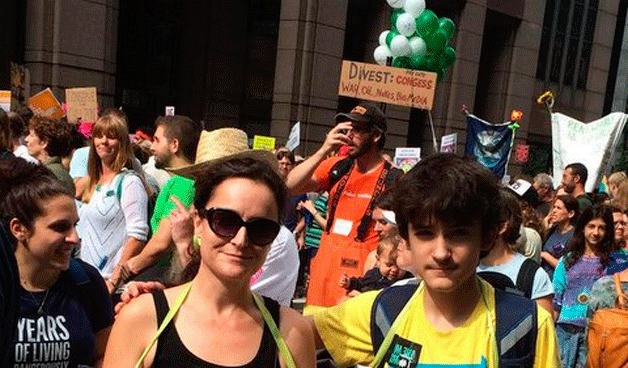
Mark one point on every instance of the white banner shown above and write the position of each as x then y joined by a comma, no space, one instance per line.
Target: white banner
295,137
591,144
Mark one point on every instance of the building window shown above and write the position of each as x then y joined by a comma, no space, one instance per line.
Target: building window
566,42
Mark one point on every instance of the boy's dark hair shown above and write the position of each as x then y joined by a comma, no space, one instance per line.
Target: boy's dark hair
576,246
183,129
450,190
6,142
510,213
384,201
580,170
18,127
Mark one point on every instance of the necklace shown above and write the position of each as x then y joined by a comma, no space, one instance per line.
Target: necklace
40,309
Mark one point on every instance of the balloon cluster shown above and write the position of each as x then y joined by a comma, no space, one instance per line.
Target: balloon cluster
418,39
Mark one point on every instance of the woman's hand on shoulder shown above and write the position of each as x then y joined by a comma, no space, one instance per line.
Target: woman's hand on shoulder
299,337
135,324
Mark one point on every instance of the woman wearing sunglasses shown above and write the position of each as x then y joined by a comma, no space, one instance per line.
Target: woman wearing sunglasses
215,320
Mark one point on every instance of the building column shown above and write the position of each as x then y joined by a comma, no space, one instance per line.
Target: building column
72,43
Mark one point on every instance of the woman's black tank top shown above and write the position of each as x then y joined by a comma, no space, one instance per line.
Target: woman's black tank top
172,353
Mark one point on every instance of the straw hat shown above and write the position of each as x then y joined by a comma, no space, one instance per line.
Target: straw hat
218,146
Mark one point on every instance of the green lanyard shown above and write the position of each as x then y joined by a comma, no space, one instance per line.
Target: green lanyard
401,317
281,343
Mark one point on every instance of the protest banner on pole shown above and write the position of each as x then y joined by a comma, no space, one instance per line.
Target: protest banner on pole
386,84
295,137
489,144
449,142
261,142
591,144
5,100
45,104
82,104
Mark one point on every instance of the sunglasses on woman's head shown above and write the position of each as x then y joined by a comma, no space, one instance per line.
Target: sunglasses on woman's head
226,224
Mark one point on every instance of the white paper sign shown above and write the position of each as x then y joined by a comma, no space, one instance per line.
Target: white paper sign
449,142
591,144
295,137
408,152
169,110
342,227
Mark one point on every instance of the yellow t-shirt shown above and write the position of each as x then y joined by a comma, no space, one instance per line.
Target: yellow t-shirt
345,331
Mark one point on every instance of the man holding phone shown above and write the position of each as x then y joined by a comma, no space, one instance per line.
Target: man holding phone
354,183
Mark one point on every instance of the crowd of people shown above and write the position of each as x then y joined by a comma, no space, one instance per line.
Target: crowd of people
187,248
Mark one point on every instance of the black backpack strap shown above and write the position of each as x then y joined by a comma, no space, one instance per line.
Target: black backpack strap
516,329
387,306
525,278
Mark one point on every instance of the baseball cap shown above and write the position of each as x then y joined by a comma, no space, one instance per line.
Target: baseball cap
365,113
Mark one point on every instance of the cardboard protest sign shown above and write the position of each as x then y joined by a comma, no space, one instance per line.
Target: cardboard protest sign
82,104
295,137
386,84
261,142
5,100
449,142
407,157
591,144
46,104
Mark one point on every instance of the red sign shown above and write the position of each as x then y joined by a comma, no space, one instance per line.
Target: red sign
522,153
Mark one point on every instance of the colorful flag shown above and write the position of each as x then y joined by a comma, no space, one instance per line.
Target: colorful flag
489,144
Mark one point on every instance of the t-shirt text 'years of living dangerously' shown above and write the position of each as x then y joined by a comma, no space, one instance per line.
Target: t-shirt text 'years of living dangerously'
387,84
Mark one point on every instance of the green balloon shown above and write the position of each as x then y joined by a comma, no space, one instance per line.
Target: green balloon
390,36
440,75
436,41
448,56
393,19
418,63
402,62
426,23
448,26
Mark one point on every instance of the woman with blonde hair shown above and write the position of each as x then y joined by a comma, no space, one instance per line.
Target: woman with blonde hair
114,214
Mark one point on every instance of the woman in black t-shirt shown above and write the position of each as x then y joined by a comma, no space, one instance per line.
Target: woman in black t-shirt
65,312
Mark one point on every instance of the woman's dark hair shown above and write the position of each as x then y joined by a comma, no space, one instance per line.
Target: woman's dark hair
385,200
510,213
25,188
18,127
575,248
55,132
448,189
571,204
247,168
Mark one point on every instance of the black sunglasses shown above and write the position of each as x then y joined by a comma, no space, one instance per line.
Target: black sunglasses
226,223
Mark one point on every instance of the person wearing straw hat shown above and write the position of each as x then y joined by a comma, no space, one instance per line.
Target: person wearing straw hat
215,320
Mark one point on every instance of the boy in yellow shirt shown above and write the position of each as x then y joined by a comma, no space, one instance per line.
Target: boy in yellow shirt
447,209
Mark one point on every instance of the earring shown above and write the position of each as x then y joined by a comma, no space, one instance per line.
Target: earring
196,242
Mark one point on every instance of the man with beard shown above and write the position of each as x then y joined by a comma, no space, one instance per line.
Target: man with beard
354,184
574,179
174,145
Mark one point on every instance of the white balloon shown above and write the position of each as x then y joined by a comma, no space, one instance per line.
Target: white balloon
418,46
382,38
399,46
381,54
397,4
414,7
406,24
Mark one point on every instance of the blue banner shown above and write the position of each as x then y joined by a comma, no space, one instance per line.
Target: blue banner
488,144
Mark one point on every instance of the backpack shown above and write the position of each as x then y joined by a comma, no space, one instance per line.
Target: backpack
525,279
152,199
607,339
516,323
